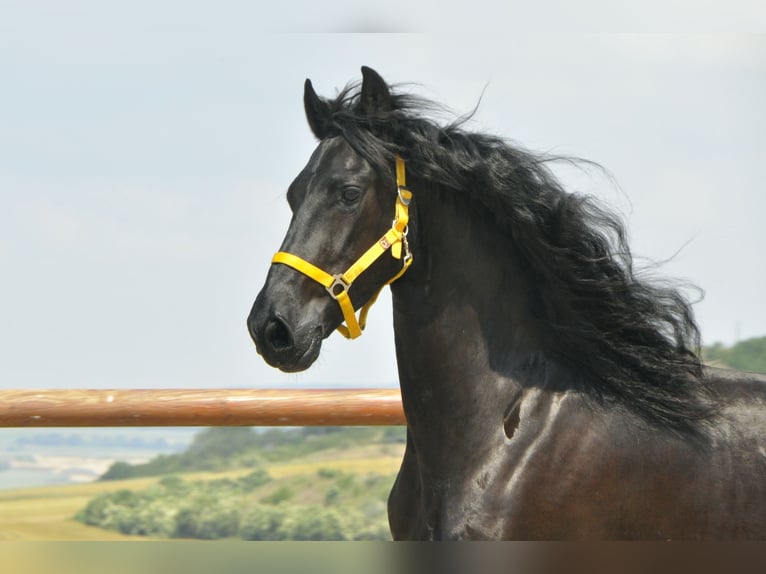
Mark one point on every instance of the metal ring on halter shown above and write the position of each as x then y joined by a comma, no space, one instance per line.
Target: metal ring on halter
401,197
339,282
406,229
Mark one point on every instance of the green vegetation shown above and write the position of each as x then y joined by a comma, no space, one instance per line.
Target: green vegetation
304,484
748,355
336,506
224,448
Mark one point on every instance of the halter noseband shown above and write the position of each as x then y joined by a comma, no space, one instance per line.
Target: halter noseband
338,285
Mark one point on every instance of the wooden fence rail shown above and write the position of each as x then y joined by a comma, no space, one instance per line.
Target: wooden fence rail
208,407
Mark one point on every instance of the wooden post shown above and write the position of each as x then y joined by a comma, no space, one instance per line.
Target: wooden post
207,407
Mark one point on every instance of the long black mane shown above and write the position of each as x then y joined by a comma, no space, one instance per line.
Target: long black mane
627,340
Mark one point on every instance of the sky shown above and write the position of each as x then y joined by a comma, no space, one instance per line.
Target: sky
145,157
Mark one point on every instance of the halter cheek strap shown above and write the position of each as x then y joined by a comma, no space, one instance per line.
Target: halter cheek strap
337,285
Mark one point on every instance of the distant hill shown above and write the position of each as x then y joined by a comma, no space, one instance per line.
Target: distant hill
224,448
747,355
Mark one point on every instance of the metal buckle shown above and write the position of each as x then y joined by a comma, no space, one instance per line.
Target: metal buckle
339,282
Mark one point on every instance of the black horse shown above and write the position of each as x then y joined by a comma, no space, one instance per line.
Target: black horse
550,392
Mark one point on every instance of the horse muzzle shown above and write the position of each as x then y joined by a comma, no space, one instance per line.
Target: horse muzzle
288,345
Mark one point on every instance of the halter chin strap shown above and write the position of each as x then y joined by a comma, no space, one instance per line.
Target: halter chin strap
338,285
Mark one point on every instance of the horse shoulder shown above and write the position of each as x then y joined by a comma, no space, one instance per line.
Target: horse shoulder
598,472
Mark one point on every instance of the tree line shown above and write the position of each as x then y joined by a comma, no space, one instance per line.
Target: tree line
747,355
353,508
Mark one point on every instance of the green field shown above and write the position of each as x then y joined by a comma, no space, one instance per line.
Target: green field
47,513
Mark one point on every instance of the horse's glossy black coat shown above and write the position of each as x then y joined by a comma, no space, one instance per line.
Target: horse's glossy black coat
549,392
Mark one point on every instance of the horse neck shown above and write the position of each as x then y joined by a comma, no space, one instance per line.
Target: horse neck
463,332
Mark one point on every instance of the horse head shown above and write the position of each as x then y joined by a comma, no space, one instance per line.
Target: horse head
341,246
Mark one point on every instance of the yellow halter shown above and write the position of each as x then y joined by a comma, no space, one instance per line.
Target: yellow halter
338,285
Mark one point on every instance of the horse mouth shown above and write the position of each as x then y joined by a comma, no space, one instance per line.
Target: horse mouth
281,351
306,359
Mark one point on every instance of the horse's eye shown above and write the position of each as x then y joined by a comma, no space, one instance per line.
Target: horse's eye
351,194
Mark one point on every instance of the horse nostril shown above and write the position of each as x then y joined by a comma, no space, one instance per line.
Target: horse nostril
278,334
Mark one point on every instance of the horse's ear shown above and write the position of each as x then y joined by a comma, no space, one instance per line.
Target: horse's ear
317,111
376,97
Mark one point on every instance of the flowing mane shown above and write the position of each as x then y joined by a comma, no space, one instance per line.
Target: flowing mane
627,340
551,392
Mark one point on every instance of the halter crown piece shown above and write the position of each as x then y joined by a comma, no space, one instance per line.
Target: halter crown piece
337,285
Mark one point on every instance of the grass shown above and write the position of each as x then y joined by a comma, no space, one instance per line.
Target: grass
45,513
